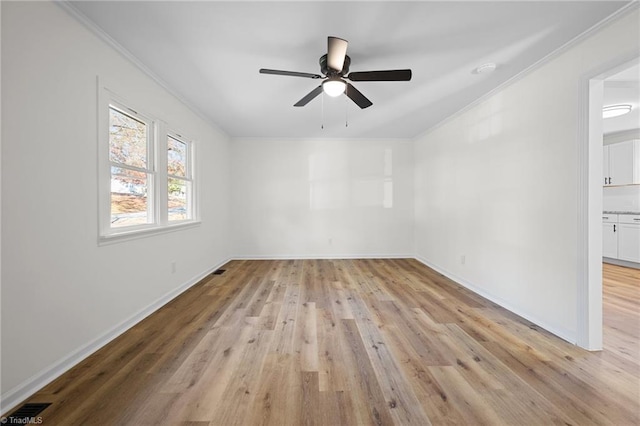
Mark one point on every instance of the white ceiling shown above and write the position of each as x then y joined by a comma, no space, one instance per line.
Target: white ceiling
623,88
209,54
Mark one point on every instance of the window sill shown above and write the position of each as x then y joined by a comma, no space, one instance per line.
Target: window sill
123,236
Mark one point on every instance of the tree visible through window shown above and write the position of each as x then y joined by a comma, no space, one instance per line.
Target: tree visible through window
146,180
179,179
131,174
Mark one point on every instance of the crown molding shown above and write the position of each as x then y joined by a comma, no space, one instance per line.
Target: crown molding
624,10
68,7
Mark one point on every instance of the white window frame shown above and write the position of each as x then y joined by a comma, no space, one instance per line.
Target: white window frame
150,170
157,191
189,174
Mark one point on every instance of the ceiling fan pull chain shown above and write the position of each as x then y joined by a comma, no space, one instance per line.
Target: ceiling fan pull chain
322,108
346,112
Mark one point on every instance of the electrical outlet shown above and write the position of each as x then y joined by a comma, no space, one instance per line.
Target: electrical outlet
173,267
463,259
330,241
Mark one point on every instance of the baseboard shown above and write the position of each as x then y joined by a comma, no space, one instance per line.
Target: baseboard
563,334
21,392
322,256
24,390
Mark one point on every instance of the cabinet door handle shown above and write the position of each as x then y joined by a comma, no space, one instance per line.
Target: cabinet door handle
605,181
614,228
609,181
636,219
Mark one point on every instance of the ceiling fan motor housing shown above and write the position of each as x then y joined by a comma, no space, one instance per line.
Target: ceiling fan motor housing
335,69
324,68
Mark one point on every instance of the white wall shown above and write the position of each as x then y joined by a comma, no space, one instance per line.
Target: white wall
62,294
322,198
498,184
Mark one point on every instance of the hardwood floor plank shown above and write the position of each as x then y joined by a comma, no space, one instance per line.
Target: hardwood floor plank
198,402
330,411
352,342
240,393
310,398
338,299
427,390
472,406
429,350
489,376
332,374
259,299
155,411
195,365
364,378
283,341
274,396
306,338
404,405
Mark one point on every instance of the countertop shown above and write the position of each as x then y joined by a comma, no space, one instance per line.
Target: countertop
619,212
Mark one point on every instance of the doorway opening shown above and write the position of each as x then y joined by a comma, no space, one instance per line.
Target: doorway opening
603,86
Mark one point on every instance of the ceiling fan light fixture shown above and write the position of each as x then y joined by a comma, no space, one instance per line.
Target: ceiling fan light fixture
334,87
334,66
611,111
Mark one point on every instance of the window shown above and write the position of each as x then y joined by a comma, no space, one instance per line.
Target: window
131,168
179,182
146,180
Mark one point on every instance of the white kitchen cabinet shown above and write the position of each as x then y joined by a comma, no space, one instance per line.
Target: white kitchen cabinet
629,237
609,240
610,236
605,165
621,163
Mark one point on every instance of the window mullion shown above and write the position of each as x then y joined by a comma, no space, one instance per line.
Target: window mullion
193,196
152,208
134,183
162,180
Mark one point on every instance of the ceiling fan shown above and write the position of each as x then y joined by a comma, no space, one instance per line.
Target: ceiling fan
334,67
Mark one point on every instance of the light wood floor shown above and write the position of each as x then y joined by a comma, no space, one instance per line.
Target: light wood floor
352,342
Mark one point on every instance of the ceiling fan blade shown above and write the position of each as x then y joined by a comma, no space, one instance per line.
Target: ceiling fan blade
289,73
312,94
390,75
357,97
336,51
